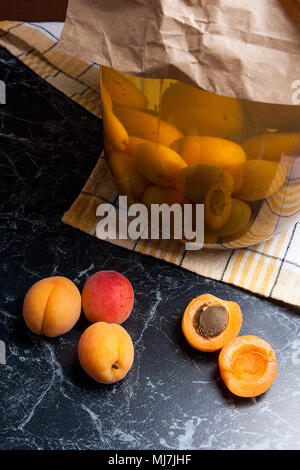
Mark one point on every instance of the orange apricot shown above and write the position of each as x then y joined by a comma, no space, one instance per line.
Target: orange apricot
209,151
238,219
114,131
52,306
262,178
105,97
147,125
208,322
133,142
217,206
195,181
197,112
237,173
122,90
248,366
126,177
272,146
157,163
159,195
213,151
106,352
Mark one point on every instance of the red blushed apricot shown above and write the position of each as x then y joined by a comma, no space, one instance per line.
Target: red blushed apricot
107,296
106,352
52,306
248,366
208,322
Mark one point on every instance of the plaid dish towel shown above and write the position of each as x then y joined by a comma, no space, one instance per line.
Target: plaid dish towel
271,269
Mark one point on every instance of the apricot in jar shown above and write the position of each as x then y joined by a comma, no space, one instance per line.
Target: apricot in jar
121,90
272,146
217,206
147,125
197,112
262,178
127,179
195,181
158,163
238,219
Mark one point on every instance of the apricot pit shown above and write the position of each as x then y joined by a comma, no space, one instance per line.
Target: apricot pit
211,320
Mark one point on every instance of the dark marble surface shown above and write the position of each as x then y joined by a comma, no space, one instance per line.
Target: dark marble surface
173,397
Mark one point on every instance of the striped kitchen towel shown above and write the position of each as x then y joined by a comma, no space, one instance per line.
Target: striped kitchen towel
271,268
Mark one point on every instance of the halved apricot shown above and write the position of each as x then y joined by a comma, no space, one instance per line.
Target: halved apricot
217,206
262,178
209,323
238,219
248,366
195,181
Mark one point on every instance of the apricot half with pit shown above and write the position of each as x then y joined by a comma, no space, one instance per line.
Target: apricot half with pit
209,323
106,352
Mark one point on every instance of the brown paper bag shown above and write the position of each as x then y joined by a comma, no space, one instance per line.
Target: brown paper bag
234,48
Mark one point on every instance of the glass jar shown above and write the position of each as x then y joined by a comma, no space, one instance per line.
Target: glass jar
168,142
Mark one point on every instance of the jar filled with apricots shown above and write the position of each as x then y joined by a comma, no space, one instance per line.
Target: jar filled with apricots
168,142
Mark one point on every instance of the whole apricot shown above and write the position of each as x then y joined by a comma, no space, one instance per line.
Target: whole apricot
272,146
146,125
106,352
127,179
197,112
122,90
107,296
52,306
115,132
158,163
262,178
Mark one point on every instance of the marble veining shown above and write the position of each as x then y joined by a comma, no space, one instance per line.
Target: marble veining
173,398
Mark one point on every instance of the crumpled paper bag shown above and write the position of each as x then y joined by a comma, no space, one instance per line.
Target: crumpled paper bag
240,48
